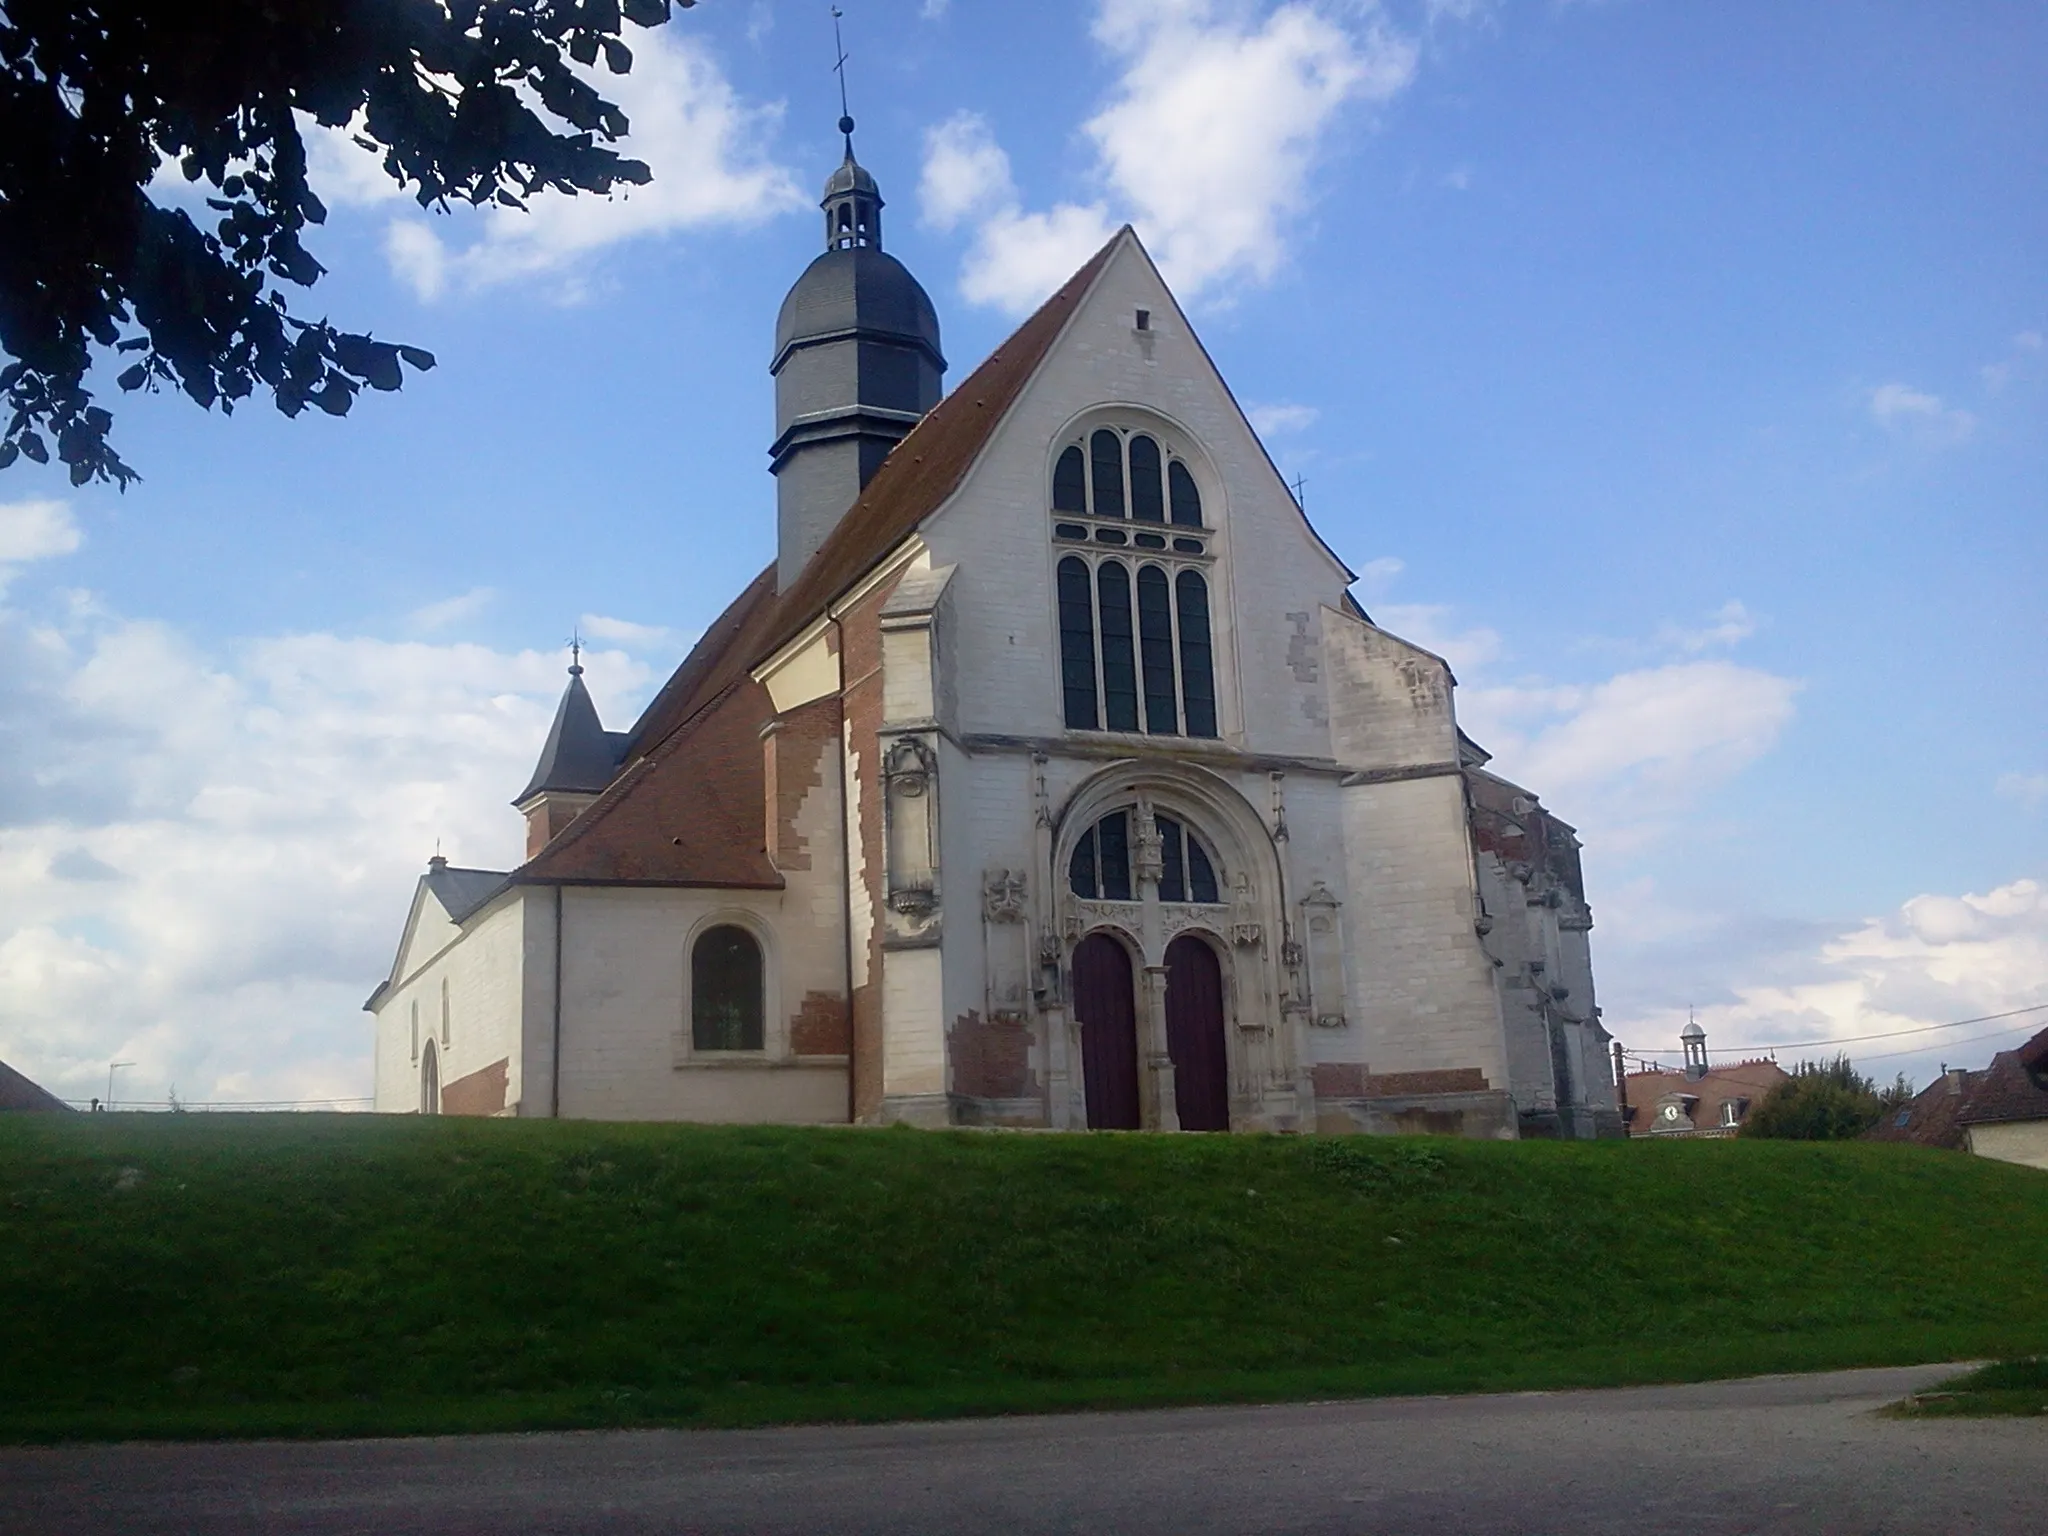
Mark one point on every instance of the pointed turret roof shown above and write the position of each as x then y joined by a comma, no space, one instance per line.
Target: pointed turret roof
580,754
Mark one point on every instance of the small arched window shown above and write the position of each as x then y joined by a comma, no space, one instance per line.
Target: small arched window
1186,499
1147,503
1070,482
430,1081
1119,666
415,1029
1106,453
727,1009
1186,872
444,1010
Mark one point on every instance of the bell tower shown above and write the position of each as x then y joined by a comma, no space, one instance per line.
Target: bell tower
857,364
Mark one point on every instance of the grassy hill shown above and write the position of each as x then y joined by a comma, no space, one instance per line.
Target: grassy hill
233,1274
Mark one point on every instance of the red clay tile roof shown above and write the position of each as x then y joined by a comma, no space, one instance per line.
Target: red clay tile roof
689,812
917,477
1930,1119
1749,1080
686,807
2013,1087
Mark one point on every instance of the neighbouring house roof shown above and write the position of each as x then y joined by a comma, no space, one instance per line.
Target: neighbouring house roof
2013,1087
1737,1080
580,755
17,1092
1930,1119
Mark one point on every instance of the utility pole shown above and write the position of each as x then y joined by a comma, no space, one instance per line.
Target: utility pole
112,1068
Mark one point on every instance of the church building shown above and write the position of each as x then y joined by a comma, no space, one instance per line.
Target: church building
1048,776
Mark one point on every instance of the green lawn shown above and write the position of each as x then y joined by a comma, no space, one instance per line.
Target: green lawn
239,1274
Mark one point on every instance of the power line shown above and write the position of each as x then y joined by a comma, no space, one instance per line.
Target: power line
1889,1034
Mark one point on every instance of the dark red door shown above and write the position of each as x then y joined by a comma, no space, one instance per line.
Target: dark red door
1107,1009
1194,1035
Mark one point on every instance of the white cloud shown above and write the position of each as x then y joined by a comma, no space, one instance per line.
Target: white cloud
1920,417
342,172
1624,757
1377,575
965,173
451,610
625,632
204,858
1280,417
34,530
1729,624
1429,625
2030,789
1457,179
1217,116
704,145
2027,341
1934,959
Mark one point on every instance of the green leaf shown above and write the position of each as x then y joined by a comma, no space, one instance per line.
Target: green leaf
618,58
134,378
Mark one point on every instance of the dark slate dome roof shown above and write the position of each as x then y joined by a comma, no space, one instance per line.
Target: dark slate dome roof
857,287
851,176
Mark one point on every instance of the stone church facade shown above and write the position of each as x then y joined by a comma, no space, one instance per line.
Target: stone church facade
1050,776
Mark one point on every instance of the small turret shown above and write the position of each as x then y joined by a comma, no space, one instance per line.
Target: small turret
576,764
1694,1039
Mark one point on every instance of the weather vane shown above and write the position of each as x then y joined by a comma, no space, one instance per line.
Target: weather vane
576,651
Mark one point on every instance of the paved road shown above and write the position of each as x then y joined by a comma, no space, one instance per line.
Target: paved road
1776,1454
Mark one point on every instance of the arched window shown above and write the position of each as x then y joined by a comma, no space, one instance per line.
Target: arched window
1077,642
430,1081
1187,501
1148,505
444,1010
1197,672
1119,666
1155,648
1100,866
1106,455
726,1005
1070,482
415,1029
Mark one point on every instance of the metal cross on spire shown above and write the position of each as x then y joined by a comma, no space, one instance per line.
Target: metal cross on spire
839,69
576,652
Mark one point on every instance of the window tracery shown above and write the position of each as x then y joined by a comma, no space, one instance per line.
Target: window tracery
1104,865
1135,645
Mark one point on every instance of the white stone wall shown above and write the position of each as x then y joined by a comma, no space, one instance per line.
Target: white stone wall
483,966
2018,1141
625,1046
1423,989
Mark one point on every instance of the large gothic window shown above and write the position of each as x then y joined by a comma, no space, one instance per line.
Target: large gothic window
1135,651
1100,867
726,982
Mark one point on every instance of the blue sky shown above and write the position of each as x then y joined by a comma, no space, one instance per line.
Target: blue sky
1678,370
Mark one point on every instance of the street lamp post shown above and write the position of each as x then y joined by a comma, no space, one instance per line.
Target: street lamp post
112,1068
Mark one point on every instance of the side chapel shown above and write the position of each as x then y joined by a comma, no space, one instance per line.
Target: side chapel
1048,776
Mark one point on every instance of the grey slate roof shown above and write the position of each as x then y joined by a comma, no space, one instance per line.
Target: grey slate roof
17,1092
462,891
579,754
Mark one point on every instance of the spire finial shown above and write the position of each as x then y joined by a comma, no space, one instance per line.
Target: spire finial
576,652
839,69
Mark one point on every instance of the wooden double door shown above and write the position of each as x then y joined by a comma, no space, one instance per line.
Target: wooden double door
1106,1005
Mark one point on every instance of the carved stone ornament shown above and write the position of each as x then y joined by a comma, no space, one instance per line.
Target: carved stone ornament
913,901
1149,862
909,766
1290,954
1247,935
1048,948
1328,1021
1002,895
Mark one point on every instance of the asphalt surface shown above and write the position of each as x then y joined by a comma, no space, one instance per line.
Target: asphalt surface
1773,1454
